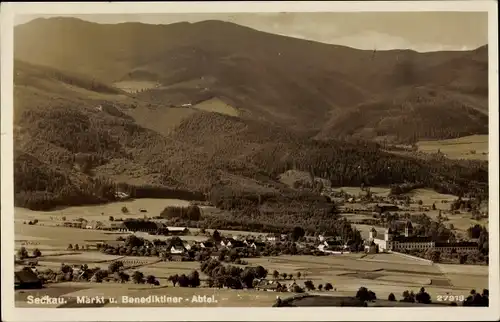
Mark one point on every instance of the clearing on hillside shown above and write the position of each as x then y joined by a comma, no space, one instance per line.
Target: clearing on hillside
356,191
474,147
292,177
216,105
134,86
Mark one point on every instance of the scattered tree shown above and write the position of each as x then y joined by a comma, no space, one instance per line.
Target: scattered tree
22,253
174,279
365,295
423,297
138,277
309,285
37,253
115,266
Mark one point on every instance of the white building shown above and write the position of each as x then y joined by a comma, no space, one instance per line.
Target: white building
395,242
177,250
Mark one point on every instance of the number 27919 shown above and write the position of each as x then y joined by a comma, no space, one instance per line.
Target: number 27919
450,298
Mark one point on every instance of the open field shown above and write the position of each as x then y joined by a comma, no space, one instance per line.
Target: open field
59,237
102,212
387,274
467,147
216,105
377,191
391,273
162,120
134,86
429,196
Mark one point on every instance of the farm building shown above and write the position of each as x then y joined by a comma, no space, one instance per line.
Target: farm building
177,231
188,244
117,226
266,285
215,255
384,208
208,244
275,237
230,243
177,249
258,245
26,279
332,245
142,226
94,225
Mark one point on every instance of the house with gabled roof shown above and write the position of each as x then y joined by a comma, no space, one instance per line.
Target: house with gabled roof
26,279
208,244
258,245
177,249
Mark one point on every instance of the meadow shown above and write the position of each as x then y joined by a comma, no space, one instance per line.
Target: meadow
133,86
381,273
474,147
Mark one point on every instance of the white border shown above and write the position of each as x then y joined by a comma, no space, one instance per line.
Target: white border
9,313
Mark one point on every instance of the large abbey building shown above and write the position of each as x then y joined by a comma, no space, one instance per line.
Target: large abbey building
393,241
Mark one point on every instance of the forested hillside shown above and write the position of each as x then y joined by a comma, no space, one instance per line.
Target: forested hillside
76,141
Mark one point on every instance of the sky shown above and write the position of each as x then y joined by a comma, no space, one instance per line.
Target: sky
420,31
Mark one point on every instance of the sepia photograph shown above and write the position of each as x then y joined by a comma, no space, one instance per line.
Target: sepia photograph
285,156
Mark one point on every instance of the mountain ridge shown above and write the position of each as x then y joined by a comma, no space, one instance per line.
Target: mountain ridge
281,80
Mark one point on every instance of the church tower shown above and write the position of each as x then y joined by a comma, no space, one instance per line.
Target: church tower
408,229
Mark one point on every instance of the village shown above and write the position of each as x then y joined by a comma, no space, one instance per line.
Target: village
141,246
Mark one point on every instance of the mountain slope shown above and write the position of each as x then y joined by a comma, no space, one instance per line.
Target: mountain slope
411,113
279,80
73,144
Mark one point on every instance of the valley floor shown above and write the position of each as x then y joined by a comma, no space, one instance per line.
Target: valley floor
381,273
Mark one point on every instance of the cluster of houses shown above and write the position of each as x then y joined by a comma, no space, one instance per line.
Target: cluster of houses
275,286
212,245
130,226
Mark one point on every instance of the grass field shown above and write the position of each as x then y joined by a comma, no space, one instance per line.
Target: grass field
355,191
468,147
216,105
48,237
381,273
162,120
134,85
102,212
